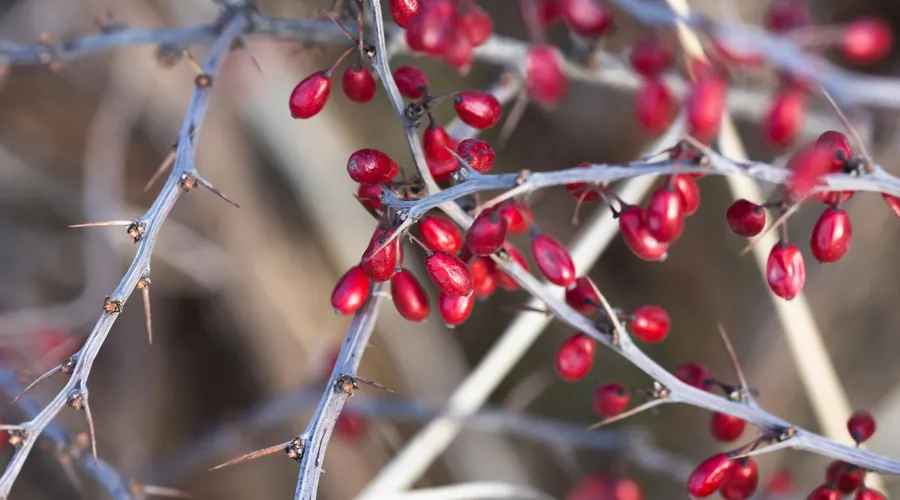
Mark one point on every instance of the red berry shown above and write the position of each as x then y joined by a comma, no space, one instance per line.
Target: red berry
575,357
431,28
846,477
517,216
693,374
403,10
687,189
589,488
516,256
725,427
449,273
476,24
637,237
487,233
831,235
310,95
866,40
784,118
443,171
867,494
737,54
477,109
654,107
459,52
611,399
582,295
745,218
664,216
409,297
785,270
553,260
861,426
581,190
623,488
440,234
704,106
649,57
382,265
893,202
824,492
742,482
351,425
369,195
435,142
371,166
710,475
455,309
838,146
544,77
807,168
548,11
484,281
477,153
411,82
780,482
587,17
786,15
650,324
358,83
350,292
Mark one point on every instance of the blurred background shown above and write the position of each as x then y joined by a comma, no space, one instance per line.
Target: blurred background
240,297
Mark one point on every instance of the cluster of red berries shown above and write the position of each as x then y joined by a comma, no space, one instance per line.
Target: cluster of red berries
445,29
310,95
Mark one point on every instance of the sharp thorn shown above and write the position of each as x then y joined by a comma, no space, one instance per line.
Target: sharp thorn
194,63
146,293
778,222
162,491
373,384
90,421
733,357
166,163
624,415
208,185
512,120
105,223
246,49
846,122
10,427
40,379
253,454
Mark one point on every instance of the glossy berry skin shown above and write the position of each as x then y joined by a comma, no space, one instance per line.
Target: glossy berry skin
824,492
517,216
449,273
745,218
483,278
439,233
893,202
807,166
475,24
411,82
544,78
785,270
742,482
553,260
403,10
704,106
582,295
409,297
725,427
710,475
487,233
431,28
831,236
650,58
358,84
575,357
650,324
861,426
693,374
867,494
654,107
845,477
369,195
866,40
784,118
455,309
787,15
505,280
582,191
442,172
371,166
382,265
637,236
686,187
477,109
611,399
665,217
435,142
310,95
477,153
459,52
351,291
588,18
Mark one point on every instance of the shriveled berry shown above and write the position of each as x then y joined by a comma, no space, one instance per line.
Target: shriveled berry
686,187
831,236
575,357
861,426
654,107
487,233
649,57
785,270
310,95
409,297
411,82
693,374
358,83
893,202
371,166
704,106
381,265
846,477
403,10
477,109
710,475
725,427
824,492
449,273
544,78
435,142
664,215
477,153
588,18
475,23
786,15
745,218
350,292
431,28
455,309
650,323
582,295
742,481
611,399
517,216
784,118
506,281
440,234
807,167
582,191
867,40
484,281
637,237
553,260
369,195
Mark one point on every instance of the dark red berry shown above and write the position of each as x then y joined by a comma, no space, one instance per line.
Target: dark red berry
477,153
409,297
893,202
575,357
455,309
371,166
861,426
548,11
517,216
824,492
745,218
649,57
725,427
831,235
611,399
587,17
443,171
358,83
439,233
431,28
710,475
350,292
785,270
741,483
637,237
664,215
553,260
650,323
786,15
403,10
477,109
487,233
381,265
582,191
411,82
310,95
693,374
654,107
449,273
369,195
589,488
784,118
435,142
484,281
867,40
867,494
807,167
846,477
582,295
687,189
838,146
516,256
459,52
476,24
544,78
704,106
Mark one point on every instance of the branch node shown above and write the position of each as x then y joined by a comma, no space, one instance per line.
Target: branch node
17,437
203,81
68,364
76,400
136,230
113,305
346,384
294,449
